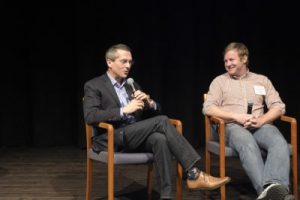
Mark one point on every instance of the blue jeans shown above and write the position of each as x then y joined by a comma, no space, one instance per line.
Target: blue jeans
249,143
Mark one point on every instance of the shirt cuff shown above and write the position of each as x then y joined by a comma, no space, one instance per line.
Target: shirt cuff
121,113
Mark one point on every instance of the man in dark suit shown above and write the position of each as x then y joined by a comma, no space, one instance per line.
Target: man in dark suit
138,124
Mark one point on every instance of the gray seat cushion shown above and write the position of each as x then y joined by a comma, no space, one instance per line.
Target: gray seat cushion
122,158
214,147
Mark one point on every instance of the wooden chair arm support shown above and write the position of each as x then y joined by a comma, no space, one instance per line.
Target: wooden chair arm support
107,126
221,123
293,128
288,119
110,140
178,125
293,124
217,120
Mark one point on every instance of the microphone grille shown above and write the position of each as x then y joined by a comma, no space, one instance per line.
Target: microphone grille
130,81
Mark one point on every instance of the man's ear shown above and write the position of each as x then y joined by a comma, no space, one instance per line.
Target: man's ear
108,62
245,59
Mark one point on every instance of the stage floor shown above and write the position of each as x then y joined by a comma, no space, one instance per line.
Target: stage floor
58,173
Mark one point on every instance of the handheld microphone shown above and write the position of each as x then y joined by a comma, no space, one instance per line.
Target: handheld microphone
249,107
130,82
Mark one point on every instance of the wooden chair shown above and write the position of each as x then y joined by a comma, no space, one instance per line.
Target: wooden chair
112,158
221,150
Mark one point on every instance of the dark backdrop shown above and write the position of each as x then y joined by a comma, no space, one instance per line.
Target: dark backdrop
48,54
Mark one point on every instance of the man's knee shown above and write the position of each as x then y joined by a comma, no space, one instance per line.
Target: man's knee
269,129
159,139
272,133
162,118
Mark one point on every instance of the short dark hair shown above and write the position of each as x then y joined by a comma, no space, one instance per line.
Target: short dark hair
111,52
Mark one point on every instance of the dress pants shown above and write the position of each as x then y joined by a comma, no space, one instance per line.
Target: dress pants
159,136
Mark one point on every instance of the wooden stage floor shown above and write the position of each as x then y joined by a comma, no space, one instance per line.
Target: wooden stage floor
58,173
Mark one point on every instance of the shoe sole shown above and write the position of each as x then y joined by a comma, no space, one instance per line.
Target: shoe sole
289,197
277,192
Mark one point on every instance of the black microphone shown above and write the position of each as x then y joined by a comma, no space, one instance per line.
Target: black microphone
249,107
130,82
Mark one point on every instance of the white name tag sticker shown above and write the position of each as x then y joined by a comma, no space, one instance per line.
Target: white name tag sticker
260,90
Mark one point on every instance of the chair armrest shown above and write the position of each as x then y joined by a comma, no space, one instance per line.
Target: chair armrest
178,125
288,119
110,133
220,122
217,120
106,126
110,141
293,129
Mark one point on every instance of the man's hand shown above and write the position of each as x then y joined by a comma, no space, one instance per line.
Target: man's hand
243,119
256,122
250,121
133,106
139,95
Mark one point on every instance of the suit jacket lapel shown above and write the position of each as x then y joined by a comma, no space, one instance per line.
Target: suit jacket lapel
137,114
128,90
111,90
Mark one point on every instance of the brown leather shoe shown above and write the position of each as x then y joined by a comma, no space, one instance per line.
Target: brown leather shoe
207,182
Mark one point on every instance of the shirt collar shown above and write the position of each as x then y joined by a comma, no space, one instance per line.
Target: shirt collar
242,77
114,82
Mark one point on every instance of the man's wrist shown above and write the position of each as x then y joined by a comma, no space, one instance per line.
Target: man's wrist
152,104
121,112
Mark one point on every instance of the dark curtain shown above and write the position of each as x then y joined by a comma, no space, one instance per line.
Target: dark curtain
48,54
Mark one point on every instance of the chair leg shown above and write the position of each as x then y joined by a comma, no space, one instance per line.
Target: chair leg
149,179
207,169
223,192
222,175
179,182
110,179
89,168
295,176
207,162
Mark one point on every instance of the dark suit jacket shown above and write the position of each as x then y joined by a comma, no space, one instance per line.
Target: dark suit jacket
101,104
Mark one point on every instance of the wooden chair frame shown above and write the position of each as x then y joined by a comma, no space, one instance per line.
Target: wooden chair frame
110,163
